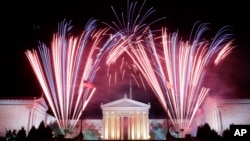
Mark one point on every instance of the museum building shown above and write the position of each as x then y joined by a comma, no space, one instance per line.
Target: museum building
124,118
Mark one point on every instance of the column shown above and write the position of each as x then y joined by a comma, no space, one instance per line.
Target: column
106,125
118,128
122,125
103,125
112,125
132,126
147,126
220,120
129,126
135,125
144,127
30,113
138,128
109,126
217,120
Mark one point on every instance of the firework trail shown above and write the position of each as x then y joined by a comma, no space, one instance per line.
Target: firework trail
175,69
134,22
130,27
120,69
67,69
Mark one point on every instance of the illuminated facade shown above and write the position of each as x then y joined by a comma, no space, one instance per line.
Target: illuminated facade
18,113
125,119
221,113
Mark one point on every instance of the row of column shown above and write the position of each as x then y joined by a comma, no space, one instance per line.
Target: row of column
123,126
35,117
215,120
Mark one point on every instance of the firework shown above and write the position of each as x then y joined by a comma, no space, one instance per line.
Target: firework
175,69
67,69
130,27
133,23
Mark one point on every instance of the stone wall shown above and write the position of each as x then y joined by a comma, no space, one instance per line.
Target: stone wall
220,113
23,113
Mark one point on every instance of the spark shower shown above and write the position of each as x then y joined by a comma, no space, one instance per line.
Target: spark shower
67,69
173,68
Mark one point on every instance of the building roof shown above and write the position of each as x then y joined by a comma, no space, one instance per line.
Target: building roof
125,104
34,102
213,102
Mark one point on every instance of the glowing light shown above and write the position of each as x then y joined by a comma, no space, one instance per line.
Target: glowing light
130,26
66,70
175,69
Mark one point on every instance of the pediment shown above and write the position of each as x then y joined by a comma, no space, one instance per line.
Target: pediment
125,102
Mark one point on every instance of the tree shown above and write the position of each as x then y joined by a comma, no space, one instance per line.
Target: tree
56,131
226,135
157,132
32,134
21,135
90,134
204,133
49,134
41,133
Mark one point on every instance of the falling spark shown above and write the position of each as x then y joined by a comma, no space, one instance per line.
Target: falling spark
115,77
142,82
134,22
175,69
130,26
123,72
135,80
63,69
110,80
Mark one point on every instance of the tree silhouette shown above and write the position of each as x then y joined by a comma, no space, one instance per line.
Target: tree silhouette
42,133
204,133
226,135
32,134
55,129
48,132
9,135
91,134
157,132
21,135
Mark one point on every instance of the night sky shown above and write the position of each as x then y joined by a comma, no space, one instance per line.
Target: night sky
23,25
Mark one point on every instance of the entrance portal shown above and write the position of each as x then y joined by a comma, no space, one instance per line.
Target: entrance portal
125,119
125,128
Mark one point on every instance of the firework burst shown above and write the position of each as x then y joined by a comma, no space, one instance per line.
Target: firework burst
175,69
66,70
133,23
130,27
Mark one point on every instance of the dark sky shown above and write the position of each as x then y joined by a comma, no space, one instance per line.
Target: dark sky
24,24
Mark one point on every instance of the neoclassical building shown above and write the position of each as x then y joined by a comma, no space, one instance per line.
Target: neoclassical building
125,119
128,119
24,113
220,113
